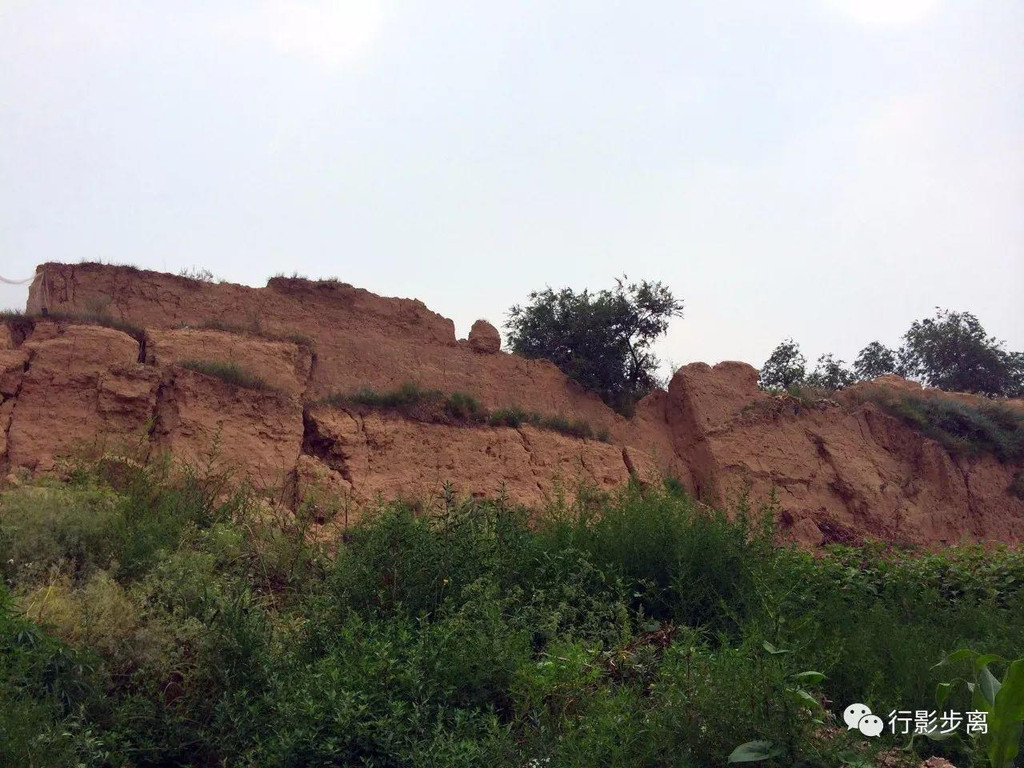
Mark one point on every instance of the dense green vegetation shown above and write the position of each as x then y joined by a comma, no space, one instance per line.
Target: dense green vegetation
458,408
153,618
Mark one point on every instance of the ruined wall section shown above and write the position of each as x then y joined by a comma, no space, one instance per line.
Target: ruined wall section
360,339
841,470
71,390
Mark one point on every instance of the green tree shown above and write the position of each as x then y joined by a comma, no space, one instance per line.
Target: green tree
952,351
875,359
831,374
601,340
786,366
1015,366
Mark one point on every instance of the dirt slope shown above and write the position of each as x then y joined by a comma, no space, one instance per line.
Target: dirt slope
841,470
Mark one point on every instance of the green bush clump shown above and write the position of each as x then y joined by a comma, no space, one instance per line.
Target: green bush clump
415,402
511,417
156,617
231,373
516,417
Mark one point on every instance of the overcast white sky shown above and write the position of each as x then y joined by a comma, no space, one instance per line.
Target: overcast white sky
826,169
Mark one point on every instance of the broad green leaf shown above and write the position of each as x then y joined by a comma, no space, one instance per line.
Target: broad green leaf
754,751
978,700
984,660
1004,744
988,683
809,677
803,697
773,651
958,655
1009,701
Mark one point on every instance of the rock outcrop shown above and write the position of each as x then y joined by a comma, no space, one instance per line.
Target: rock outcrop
839,470
484,338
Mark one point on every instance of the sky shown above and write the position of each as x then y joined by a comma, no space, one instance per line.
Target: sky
829,170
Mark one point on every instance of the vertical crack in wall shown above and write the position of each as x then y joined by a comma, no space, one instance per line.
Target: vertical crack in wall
630,468
165,413
974,519
16,398
310,377
528,447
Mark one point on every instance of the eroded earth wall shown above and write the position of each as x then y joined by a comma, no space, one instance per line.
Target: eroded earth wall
840,470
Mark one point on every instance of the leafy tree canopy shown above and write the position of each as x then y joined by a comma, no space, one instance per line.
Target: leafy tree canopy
786,366
952,351
874,360
601,340
831,374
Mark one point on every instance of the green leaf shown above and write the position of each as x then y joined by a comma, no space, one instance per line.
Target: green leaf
978,700
774,651
942,691
958,655
754,751
982,661
1004,745
809,677
989,684
1009,701
803,697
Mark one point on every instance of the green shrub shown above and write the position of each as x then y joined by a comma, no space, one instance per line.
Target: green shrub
685,562
510,417
463,407
570,427
516,417
49,528
232,373
43,686
874,618
1001,700
600,340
